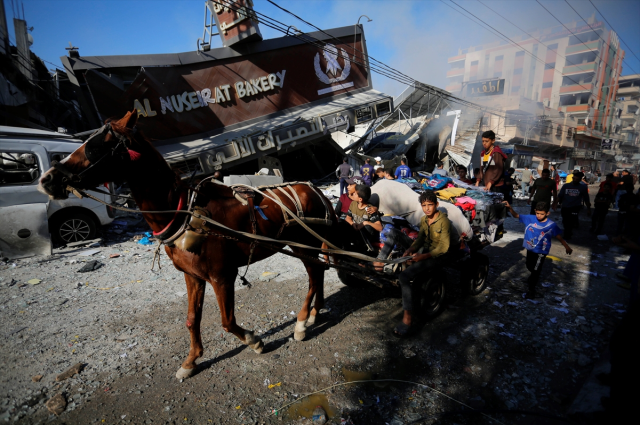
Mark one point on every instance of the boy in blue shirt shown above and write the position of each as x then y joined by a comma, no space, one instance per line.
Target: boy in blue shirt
538,233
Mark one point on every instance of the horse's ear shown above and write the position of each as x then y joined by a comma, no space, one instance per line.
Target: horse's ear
131,118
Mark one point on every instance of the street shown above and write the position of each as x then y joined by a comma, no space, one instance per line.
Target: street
125,324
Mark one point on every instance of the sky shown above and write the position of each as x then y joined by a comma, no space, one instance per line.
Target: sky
415,37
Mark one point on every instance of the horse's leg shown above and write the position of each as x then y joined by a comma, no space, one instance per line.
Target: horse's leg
195,292
316,284
225,292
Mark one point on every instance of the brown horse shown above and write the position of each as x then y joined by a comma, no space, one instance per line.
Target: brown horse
121,153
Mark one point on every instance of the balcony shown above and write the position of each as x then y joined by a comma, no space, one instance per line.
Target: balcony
586,154
577,108
629,91
576,88
580,48
580,68
455,72
456,58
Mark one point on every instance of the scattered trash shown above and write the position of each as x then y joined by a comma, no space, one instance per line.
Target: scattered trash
88,253
547,285
553,258
267,382
588,272
33,281
274,385
497,324
267,276
114,255
57,404
564,304
145,239
553,320
533,301
181,293
75,369
90,266
36,378
319,416
132,345
507,334
563,310
603,238
565,331
511,303
497,304
123,355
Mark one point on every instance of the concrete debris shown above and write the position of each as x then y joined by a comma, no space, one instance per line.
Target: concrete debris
90,266
73,370
57,404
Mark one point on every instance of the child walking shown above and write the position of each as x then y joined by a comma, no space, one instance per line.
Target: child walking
537,240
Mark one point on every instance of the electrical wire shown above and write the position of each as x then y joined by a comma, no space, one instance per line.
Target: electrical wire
606,42
506,38
605,19
403,78
275,411
567,28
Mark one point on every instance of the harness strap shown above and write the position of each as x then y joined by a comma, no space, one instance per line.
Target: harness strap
298,204
174,224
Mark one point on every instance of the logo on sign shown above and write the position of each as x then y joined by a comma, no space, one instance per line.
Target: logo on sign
334,73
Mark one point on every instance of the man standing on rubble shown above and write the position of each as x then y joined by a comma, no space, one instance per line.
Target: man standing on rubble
571,196
343,172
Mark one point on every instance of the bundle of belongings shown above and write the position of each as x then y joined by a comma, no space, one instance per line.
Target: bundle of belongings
472,211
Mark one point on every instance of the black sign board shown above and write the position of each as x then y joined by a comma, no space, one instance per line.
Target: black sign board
364,114
485,88
606,144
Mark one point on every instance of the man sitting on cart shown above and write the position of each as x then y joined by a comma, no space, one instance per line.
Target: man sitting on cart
427,252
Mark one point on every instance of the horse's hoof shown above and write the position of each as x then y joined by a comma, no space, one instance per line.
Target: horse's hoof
257,347
311,321
299,332
183,373
299,336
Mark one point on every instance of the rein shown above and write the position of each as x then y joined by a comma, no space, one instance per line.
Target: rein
257,238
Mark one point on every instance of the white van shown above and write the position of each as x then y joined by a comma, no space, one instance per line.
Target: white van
28,218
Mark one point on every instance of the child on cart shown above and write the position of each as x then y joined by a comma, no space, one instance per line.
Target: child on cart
538,233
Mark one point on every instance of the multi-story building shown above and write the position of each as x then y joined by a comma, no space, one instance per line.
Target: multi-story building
629,104
572,70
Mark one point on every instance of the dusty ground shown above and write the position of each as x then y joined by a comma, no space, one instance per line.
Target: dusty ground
494,352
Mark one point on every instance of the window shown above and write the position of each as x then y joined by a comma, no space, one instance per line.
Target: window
474,63
517,71
559,131
553,47
550,65
569,133
581,121
547,85
520,53
18,168
515,89
499,58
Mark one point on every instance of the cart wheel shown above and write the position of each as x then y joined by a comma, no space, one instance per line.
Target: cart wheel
351,280
477,281
432,296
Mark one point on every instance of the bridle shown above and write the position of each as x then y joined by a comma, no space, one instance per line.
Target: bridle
95,151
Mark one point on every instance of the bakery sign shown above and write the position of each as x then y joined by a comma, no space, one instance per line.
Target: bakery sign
191,100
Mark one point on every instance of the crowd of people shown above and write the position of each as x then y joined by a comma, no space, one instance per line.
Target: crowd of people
438,237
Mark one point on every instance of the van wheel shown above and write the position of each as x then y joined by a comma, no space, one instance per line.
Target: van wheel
477,278
432,296
73,227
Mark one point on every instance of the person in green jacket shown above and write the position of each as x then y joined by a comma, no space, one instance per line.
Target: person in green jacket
427,252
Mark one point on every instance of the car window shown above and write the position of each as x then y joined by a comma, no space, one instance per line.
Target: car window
18,168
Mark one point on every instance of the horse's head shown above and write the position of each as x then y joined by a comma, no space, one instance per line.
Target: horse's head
106,156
